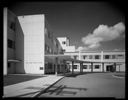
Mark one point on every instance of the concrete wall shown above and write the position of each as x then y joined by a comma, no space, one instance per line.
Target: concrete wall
11,34
122,68
19,48
33,29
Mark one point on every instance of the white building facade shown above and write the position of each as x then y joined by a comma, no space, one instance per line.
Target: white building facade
104,61
13,44
30,47
65,43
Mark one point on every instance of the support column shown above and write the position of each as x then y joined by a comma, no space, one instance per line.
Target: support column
81,67
5,41
56,66
64,62
102,67
114,66
72,67
91,67
119,68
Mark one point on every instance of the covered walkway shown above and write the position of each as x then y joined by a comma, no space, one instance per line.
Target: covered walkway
66,59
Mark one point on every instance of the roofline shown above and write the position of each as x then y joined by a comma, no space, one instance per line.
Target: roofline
93,51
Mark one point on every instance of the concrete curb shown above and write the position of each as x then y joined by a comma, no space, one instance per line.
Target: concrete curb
38,94
117,76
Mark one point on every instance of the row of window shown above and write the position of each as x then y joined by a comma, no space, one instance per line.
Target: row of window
87,66
99,57
11,44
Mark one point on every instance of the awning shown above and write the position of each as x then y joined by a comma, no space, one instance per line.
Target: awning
14,60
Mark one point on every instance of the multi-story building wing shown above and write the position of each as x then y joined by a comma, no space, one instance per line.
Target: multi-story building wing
13,44
31,47
96,61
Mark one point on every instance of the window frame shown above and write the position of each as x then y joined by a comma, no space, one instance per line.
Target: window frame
96,66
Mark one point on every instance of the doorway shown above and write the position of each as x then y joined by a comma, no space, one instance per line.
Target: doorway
110,68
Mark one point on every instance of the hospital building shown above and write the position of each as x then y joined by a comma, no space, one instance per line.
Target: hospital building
30,47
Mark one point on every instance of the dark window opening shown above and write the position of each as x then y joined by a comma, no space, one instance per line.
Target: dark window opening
41,68
113,56
97,66
107,57
120,56
85,67
12,26
84,57
11,44
75,67
75,57
63,42
97,57
9,65
90,56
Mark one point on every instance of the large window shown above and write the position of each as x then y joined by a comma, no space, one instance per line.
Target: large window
85,67
75,57
85,56
11,44
97,66
75,67
90,56
107,56
97,56
120,56
113,56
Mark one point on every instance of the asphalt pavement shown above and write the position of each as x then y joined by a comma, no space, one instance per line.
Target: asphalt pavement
88,85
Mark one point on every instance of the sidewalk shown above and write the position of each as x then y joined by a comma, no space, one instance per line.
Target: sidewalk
30,88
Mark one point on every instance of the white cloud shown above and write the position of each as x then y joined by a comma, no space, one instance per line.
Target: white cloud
80,48
103,33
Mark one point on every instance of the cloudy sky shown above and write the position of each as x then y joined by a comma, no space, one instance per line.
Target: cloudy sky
89,25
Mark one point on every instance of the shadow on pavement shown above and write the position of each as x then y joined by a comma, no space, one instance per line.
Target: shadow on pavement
63,90
75,74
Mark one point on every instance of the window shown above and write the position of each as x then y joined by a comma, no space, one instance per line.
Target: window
85,56
9,65
120,56
97,56
90,56
107,56
75,67
12,26
49,66
75,57
41,68
113,56
97,66
85,67
11,44
63,42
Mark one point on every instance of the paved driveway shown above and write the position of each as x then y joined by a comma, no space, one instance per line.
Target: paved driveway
88,85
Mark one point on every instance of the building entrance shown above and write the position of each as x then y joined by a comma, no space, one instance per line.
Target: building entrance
110,68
